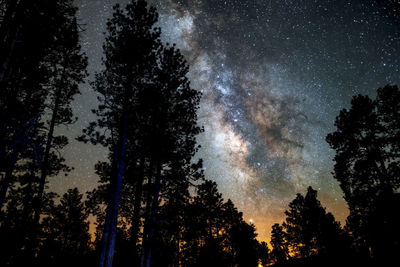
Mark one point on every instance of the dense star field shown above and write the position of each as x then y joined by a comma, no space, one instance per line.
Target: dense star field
274,75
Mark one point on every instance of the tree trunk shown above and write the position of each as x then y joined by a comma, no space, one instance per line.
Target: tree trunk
49,142
45,163
27,210
153,222
136,210
146,226
107,223
110,228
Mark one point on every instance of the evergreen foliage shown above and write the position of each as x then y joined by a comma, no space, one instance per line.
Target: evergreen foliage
310,230
280,248
367,160
66,232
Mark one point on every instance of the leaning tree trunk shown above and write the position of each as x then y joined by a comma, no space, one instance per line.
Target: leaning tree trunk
110,227
45,163
37,203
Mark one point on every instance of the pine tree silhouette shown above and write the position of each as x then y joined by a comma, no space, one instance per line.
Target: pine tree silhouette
66,232
367,158
310,230
280,248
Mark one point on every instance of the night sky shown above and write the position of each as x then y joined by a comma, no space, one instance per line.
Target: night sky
274,75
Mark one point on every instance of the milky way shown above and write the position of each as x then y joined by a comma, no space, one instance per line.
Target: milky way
274,74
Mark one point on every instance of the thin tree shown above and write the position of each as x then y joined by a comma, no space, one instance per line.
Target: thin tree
67,64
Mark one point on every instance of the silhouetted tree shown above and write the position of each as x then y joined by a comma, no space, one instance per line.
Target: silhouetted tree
173,128
174,219
243,242
128,215
129,60
383,229
367,157
66,232
216,232
309,229
204,237
264,254
280,249
172,226
67,69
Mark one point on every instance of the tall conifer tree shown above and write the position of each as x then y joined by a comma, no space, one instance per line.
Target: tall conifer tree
130,48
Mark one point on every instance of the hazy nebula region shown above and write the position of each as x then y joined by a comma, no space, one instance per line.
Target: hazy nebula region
274,75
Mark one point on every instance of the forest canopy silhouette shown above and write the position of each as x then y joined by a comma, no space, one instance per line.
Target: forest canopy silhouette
153,205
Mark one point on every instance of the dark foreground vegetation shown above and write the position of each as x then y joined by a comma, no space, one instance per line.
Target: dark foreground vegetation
153,205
